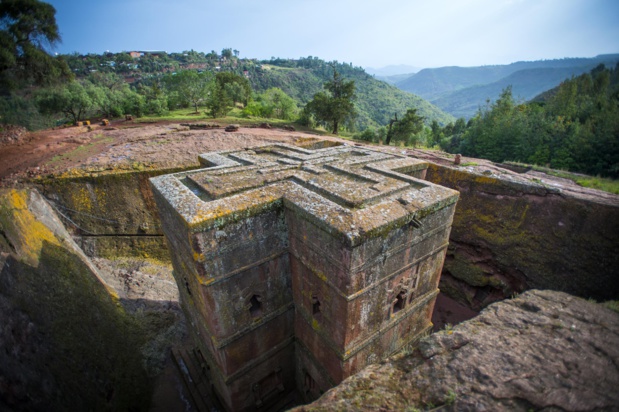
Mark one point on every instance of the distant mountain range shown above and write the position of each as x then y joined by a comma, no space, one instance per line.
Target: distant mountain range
392,70
461,91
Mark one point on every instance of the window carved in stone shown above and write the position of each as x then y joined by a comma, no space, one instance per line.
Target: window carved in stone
414,282
255,306
399,302
316,308
310,383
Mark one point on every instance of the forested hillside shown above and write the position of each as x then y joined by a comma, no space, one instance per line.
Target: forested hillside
525,84
142,83
299,78
376,101
460,91
573,127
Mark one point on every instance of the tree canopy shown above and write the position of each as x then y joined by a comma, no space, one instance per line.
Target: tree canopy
27,29
273,103
334,105
190,87
73,100
229,89
406,129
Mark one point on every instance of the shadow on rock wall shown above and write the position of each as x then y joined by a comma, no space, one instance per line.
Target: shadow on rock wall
66,342
69,346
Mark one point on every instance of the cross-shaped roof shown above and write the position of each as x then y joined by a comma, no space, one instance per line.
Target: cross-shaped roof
349,190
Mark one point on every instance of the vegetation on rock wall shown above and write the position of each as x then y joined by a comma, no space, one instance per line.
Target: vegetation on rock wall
507,237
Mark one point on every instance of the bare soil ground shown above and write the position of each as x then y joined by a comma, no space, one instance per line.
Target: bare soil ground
127,145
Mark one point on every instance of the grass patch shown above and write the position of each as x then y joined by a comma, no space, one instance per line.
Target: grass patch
82,151
612,304
175,115
278,68
234,117
594,182
600,183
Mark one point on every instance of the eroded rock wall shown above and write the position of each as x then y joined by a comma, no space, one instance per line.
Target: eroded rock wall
543,350
510,236
65,341
112,214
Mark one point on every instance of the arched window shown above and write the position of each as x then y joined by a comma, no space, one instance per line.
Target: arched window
316,310
255,306
399,302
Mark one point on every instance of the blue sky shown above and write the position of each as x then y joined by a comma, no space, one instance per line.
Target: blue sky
421,33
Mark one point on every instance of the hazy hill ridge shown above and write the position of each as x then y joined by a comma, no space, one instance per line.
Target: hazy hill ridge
393,70
460,91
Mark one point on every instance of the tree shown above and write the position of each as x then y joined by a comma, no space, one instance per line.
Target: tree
336,104
212,56
227,53
278,104
192,87
27,28
436,134
273,103
229,88
74,100
155,97
112,97
405,129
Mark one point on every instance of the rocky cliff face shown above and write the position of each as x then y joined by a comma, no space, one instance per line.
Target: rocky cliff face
66,342
513,232
543,350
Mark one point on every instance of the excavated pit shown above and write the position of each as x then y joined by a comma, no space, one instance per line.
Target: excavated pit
511,232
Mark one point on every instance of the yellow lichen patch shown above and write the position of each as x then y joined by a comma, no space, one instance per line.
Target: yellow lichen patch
321,276
101,196
18,199
81,200
26,233
198,257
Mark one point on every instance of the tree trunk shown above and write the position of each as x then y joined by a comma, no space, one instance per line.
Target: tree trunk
335,127
391,122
